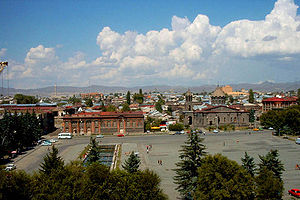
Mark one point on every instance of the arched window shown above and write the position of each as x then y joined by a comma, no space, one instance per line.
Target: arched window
190,120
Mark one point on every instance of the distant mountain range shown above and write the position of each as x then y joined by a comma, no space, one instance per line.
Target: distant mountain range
69,90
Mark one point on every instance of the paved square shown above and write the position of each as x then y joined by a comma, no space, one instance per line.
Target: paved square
232,145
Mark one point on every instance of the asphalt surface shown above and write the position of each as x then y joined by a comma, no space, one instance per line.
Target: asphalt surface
166,147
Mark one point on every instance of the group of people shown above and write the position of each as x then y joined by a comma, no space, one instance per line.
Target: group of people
149,148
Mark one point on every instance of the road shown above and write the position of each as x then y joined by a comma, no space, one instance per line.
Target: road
166,147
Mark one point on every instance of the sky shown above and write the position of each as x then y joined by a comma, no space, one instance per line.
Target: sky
149,42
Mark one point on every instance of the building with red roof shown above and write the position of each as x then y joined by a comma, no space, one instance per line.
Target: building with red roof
278,103
104,123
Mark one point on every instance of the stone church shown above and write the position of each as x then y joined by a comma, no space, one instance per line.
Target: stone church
215,115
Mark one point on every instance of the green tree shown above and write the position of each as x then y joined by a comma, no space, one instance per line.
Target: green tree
128,98
273,118
125,107
158,107
176,127
251,96
231,99
221,178
60,183
96,183
111,108
248,164
190,159
15,185
89,102
292,119
267,185
74,100
139,98
24,99
140,92
94,151
132,164
272,162
52,162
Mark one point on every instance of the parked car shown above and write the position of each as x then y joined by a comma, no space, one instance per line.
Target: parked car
10,167
46,143
53,140
294,192
255,129
177,133
216,131
270,128
298,140
121,135
100,136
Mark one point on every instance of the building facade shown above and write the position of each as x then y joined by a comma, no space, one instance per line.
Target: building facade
218,97
104,123
216,116
278,103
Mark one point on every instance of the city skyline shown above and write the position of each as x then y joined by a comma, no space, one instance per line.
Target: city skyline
149,43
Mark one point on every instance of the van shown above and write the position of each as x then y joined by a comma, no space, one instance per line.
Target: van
64,136
298,141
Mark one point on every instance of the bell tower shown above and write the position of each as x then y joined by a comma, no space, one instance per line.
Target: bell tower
188,101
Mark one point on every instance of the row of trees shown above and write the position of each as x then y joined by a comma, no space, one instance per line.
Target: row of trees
55,180
283,121
202,176
24,99
137,97
18,132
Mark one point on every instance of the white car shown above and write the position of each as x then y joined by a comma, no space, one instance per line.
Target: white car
100,136
10,167
298,140
216,131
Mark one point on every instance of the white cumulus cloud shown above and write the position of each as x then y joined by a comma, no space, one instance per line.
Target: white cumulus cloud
193,52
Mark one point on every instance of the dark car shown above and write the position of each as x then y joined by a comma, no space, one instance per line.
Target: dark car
294,192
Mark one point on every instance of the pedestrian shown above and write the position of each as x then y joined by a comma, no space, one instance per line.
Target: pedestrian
147,151
157,161
160,162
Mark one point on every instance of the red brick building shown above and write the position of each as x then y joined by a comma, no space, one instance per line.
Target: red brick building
278,103
104,123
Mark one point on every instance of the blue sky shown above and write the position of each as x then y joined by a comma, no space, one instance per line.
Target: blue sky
137,43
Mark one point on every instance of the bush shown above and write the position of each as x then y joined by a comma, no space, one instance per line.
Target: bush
176,127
